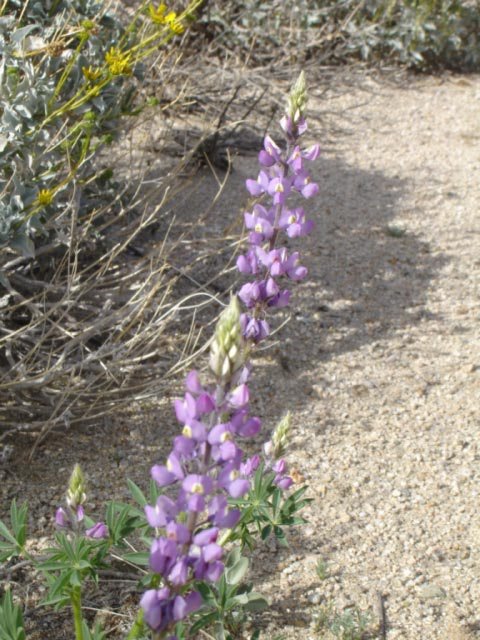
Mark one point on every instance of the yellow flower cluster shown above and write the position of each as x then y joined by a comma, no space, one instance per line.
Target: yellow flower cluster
45,197
118,62
91,74
162,17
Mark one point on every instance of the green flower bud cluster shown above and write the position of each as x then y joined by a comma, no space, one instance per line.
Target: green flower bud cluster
275,448
76,488
227,348
297,100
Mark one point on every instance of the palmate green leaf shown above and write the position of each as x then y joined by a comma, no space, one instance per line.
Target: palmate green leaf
11,619
256,602
219,631
59,591
122,520
137,493
266,531
141,558
236,567
7,551
206,592
203,622
18,517
96,633
4,532
54,565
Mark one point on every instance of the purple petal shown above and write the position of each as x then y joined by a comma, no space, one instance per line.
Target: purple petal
254,188
98,531
239,396
238,487
162,475
312,152
61,518
179,574
310,190
207,536
152,608
196,503
212,552
228,520
192,382
184,605
214,571
283,482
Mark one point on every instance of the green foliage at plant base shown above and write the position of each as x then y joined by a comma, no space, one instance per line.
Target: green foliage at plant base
11,619
351,624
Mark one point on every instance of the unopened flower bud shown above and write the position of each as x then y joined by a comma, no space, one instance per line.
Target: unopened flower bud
297,100
226,351
280,436
76,488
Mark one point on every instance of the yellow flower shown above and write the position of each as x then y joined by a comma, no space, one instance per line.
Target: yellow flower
175,25
45,197
158,14
91,74
118,62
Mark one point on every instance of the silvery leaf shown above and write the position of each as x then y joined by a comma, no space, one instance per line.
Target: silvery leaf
20,34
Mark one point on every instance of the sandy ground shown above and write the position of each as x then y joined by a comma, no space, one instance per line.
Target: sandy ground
380,365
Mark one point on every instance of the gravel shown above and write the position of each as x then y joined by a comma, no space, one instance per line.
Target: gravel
380,365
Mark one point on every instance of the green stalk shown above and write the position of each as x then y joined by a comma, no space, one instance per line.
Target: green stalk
138,628
68,68
76,600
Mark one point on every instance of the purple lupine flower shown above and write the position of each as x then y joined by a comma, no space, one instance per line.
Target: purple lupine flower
248,263
296,158
253,329
293,221
186,409
270,154
169,473
239,397
192,383
250,294
197,487
178,532
279,188
244,425
98,531
249,467
220,514
231,480
221,439
154,603
163,555
178,576
293,129
303,183
184,605
61,519
261,227
282,480
162,513
260,185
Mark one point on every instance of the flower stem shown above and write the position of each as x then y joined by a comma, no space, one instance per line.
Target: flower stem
76,600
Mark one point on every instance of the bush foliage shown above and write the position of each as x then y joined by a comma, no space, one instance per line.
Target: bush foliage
50,126
422,34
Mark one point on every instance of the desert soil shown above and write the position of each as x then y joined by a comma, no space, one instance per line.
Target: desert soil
379,364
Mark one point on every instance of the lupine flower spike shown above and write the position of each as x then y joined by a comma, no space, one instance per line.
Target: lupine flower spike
206,466
71,518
